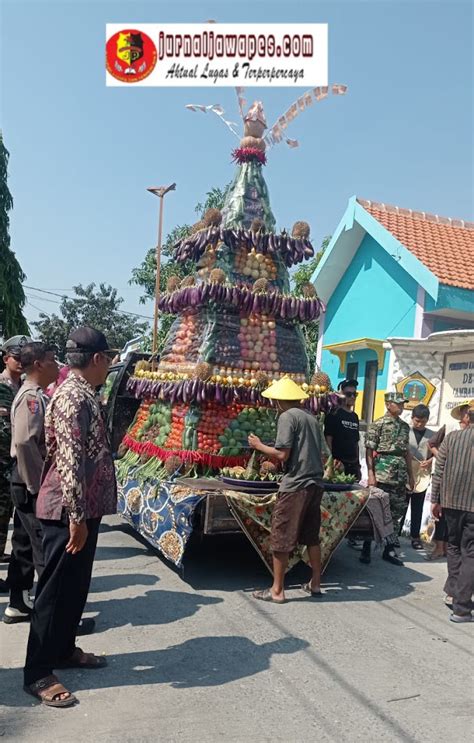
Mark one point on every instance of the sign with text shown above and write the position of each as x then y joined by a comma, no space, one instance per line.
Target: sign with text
224,54
458,383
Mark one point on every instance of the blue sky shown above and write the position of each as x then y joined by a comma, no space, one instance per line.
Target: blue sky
82,154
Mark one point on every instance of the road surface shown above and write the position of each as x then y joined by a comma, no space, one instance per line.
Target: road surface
201,660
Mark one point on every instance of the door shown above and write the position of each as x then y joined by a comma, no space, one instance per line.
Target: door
370,387
120,406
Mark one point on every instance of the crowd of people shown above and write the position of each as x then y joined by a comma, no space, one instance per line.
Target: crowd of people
57,477
399,460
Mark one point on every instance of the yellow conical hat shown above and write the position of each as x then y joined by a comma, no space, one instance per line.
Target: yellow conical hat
285,389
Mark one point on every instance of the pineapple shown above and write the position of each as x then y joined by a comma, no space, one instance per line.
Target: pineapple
321,379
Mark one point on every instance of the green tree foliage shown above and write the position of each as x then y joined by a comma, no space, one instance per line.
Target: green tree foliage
145,274
300,277
12,296
97,307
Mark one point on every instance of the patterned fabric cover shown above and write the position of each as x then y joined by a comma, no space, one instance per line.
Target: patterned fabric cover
339,510
163,514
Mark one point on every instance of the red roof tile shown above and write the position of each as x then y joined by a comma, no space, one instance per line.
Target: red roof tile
442,244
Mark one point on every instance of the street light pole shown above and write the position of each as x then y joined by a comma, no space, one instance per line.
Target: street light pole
159,191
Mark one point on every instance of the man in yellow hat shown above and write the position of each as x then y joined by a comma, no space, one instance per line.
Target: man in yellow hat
461,413
297,514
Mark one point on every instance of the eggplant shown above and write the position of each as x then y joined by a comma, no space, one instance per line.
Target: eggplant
205,291
235,296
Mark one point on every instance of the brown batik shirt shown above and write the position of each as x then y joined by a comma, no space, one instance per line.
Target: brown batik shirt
79,474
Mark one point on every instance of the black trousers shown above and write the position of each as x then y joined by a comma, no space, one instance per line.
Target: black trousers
460,583
416,501
60,599
441,530
27,548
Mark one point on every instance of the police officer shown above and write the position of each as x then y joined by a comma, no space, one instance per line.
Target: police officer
28,451
389,460
10,380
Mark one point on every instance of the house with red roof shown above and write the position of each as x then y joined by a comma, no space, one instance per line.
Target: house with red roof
394,274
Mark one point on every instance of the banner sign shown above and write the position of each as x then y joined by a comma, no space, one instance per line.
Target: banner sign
224,54
458,383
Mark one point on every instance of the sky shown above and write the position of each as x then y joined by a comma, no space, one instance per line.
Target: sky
82,154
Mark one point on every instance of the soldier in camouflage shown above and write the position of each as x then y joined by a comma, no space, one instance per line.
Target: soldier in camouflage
10,380
389,460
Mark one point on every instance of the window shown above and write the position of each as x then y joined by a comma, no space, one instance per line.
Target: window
370,386
352,370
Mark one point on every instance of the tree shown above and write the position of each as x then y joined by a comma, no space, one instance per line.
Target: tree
99,308
300,277
12,296
145,274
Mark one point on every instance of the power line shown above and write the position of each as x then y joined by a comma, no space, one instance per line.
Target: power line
35,307
43,299
81,299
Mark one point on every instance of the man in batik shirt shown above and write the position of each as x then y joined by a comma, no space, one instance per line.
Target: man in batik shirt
78,487
389,460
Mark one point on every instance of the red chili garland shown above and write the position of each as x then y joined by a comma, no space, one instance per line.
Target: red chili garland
243,155
196,457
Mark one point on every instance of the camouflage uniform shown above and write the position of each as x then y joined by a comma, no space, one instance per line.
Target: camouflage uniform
388,436
8,391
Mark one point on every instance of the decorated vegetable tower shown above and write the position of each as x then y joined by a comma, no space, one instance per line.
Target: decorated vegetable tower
238,328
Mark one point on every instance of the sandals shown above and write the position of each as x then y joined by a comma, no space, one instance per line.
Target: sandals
80,659
306,587
434,556
48,690
266,595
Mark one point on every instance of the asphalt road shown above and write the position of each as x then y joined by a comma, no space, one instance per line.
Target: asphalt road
201,660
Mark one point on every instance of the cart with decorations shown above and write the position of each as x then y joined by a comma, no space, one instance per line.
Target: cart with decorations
184,463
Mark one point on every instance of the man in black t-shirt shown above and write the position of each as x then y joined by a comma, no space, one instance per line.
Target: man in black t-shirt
341,430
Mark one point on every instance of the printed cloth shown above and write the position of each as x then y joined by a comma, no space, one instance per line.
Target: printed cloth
339,510
378,508
162,512
79,473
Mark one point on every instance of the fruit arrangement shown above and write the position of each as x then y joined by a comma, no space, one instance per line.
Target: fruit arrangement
238,329
214,420
258,343
260,421
256,470
184,340
252,265
175,437
156,426
341,479
334,473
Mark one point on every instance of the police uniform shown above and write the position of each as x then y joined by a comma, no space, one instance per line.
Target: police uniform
8,390
389,438
28,451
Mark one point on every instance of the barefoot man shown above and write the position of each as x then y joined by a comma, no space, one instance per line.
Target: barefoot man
297,514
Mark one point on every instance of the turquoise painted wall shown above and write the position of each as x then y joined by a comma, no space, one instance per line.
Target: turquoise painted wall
452,298
376,298
330,364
